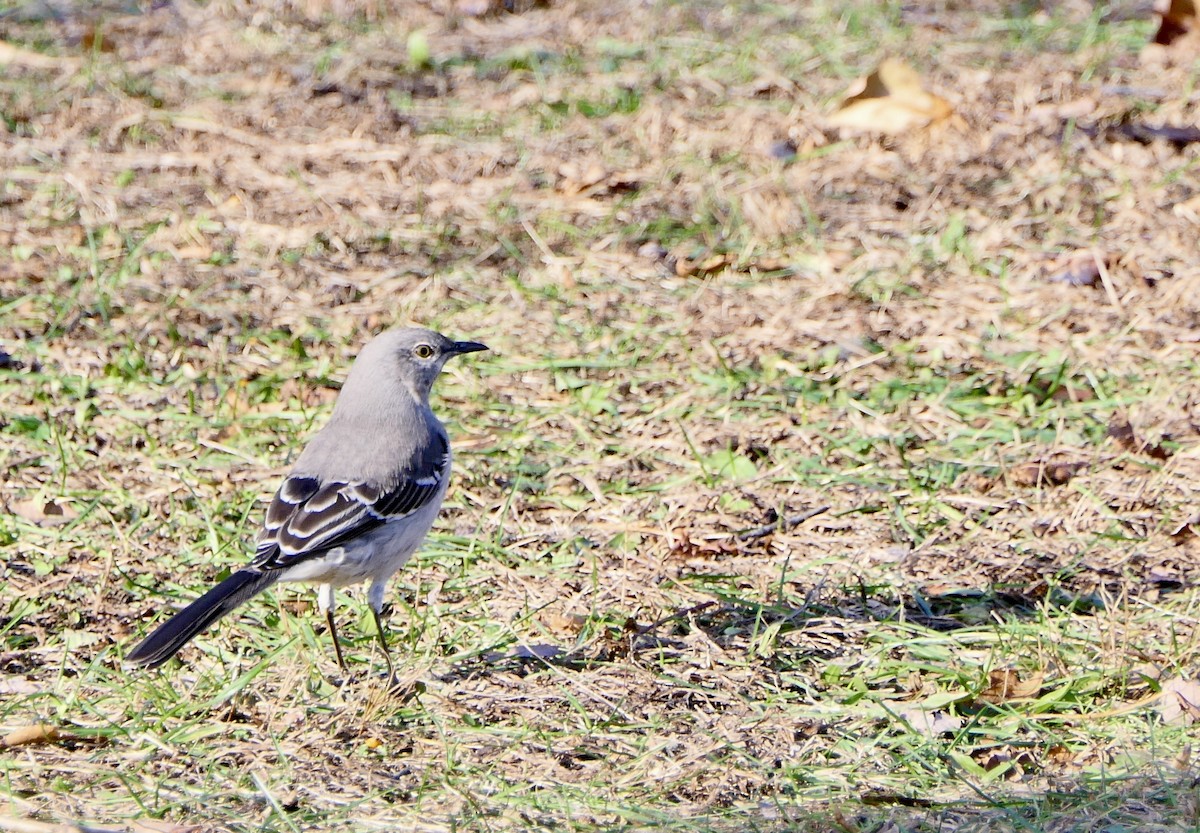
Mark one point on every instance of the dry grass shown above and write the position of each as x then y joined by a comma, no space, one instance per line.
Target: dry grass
208,210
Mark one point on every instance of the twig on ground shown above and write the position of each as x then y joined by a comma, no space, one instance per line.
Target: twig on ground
679,614
780,524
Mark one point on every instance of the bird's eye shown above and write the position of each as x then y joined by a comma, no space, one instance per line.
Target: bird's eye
423,351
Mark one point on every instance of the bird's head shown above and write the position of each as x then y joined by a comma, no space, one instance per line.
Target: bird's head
411,356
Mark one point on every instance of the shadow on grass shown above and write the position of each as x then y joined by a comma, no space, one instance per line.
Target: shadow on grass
892,692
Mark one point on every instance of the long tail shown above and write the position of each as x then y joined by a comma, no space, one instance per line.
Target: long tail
174,633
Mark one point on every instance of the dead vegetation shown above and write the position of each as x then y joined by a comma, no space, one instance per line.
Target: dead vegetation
974,342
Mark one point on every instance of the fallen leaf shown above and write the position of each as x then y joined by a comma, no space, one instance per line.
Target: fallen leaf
1079,268
1005,685
43,512
974,481
1180,702
707,263
1063,110
652,250
94,40
1188,210
1177,36
1004,763
1178,20
1059,755
1187,529
770,85
593,180
576,178
1070,393
1163,580
683,546
1121,431
1044,472
35,735
563,623
890,100
930,722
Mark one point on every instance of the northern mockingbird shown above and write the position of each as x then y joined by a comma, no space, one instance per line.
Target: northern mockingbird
359,500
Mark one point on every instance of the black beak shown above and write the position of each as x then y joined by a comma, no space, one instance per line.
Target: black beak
467,347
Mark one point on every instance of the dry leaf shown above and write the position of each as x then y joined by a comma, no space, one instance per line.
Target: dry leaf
890,100
1178,35
563,623
593,180
652,250
702,265
1010,763
1070,393
1188,210
1187,529
35,735
683,546
1079,268
576,177
43,512
1044,472
930,723
974,481
1120,430
706,264
1178,21
1180,702
44,733
1005,685
1059,755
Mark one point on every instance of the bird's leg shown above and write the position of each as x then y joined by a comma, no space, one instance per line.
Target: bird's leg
375,600
337,646
325,603
387,655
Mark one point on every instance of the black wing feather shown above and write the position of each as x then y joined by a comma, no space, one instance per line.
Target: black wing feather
308,517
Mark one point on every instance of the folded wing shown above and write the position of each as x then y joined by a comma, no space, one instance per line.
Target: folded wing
310,516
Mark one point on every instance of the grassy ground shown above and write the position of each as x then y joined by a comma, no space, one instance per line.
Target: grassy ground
992,624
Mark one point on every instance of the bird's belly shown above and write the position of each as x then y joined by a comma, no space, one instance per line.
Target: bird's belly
376,555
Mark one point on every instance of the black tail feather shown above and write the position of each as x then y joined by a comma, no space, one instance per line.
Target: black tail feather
174,633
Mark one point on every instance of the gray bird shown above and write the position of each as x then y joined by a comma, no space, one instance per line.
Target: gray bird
359,500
